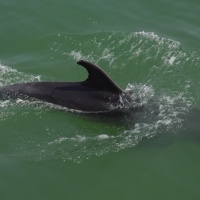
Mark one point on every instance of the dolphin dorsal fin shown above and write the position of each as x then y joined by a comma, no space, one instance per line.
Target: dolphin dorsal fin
97,78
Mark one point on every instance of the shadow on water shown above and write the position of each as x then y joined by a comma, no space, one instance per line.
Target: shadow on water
118,117
191,126
189,132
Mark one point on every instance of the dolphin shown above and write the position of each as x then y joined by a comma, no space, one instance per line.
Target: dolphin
98,93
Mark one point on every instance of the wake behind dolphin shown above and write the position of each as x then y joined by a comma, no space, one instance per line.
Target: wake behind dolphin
98,93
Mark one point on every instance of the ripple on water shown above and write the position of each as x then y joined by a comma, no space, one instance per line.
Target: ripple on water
166,90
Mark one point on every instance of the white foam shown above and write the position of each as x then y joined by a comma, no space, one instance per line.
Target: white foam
9,76
103,136
58,141
4,104
171,60
76,55
107,55
4,69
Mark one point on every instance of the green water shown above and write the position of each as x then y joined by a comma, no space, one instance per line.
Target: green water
150,48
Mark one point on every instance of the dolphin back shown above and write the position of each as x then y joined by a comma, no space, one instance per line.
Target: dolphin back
97,93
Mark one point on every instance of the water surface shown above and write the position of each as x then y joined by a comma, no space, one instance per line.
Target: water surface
151,49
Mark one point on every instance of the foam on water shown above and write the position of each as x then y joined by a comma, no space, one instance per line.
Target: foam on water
9,76
166,90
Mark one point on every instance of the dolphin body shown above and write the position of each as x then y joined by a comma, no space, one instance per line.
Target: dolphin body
98,93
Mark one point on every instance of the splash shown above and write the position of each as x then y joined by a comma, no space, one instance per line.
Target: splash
9,76
160,76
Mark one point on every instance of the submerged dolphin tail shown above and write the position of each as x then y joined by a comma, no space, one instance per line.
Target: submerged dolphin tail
97,78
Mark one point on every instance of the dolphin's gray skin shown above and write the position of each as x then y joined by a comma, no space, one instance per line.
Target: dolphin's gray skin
97,93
